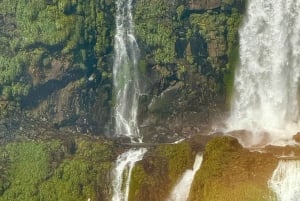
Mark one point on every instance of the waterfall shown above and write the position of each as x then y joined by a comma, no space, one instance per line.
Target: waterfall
125,73
182,188
127,90
266,84
285,181
122,173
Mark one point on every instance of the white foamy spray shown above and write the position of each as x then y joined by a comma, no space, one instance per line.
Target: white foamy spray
266,84
285,181
127,91
122,173
182,189
125,73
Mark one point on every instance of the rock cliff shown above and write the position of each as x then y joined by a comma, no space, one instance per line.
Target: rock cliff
57,56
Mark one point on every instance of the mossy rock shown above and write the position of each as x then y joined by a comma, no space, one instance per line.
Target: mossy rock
232,173
154,176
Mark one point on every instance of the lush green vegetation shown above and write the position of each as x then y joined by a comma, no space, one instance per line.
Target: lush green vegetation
53,171
219,30
231,173
186,42
29,165
37,32
155,25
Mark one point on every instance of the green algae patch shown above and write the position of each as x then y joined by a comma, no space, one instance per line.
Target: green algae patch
154,176
55,170
232,173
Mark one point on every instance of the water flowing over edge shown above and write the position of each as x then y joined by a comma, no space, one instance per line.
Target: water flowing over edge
127,91
266,84
285,181
122,172
181,191
125,73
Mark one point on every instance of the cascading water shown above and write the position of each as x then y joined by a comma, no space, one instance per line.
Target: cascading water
182,188
285,181
266,84
127,90
124,165
125,73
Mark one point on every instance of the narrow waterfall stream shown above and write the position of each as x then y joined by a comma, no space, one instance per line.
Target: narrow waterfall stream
127,91
182,188
266,84
124,165
125,73
285,181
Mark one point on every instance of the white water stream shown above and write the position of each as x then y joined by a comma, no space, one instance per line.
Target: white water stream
125,73
127,91
122,173
266,84
182,189
285,181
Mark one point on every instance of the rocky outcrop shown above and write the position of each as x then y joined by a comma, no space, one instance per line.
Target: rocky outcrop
297,137
57,64
64,166
188,78
231,172
228,171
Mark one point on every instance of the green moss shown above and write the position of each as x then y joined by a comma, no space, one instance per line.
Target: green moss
180,158
244,191
47,171
231,173
159,172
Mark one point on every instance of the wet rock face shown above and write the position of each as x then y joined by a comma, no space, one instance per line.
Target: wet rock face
184,78
61,72
59,63
297,137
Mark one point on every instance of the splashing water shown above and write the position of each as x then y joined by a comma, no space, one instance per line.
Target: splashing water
127,91
182,188
125,73
122,173
266,84
285,181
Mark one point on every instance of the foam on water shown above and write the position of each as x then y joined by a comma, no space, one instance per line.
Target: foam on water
182,188
266,83
285,181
